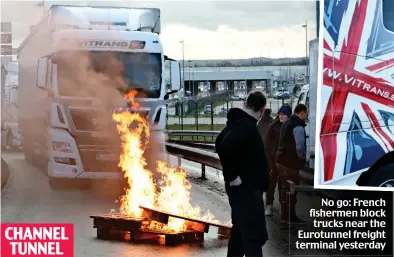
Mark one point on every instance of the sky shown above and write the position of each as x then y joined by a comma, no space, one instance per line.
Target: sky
209,29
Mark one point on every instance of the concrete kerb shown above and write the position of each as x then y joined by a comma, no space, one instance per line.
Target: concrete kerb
5,174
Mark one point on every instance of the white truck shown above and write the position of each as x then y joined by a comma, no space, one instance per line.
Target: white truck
308,96
60,123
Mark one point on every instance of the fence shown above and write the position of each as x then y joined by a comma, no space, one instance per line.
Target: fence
209,113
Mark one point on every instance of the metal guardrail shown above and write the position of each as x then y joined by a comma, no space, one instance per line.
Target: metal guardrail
205,158
211,159
199,145
196,133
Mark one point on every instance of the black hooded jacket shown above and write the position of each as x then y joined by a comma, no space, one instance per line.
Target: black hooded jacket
241,150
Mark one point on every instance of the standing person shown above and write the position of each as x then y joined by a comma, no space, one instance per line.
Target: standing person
245,169
291,157
271,144
264,122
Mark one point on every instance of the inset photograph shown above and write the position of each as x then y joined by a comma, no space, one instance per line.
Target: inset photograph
355,101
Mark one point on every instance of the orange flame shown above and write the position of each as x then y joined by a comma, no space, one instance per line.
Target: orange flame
173,195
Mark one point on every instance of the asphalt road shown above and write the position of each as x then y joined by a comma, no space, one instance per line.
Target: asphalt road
29,198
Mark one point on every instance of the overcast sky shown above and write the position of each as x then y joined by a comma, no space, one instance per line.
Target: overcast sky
210,29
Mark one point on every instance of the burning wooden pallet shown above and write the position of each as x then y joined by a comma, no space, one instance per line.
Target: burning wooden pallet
125,228
194,224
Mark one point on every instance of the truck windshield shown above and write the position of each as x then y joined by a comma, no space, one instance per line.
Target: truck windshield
140,71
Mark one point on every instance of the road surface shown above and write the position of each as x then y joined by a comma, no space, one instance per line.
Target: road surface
28,198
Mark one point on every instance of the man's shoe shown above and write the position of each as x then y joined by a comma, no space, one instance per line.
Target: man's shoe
268,210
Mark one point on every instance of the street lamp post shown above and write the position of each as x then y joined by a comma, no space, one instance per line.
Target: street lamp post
183,67
306,49
191,80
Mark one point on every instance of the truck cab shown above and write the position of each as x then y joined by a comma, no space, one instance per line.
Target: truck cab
75,70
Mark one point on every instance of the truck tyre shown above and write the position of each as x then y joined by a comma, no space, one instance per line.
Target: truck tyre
383,177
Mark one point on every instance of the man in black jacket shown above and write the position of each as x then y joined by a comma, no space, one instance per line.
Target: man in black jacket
271,144
291,157
245,169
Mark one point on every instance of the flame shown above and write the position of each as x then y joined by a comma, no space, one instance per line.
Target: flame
141,189
172,194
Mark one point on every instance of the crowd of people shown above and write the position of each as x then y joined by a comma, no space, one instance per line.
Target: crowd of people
258,153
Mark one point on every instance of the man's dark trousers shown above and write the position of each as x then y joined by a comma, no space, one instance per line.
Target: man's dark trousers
249,232
274,177
285,174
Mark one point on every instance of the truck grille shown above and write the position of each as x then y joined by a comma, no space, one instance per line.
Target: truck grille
142,113
85,120
91,163
95,120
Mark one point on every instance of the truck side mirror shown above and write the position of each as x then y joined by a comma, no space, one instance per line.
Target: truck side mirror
42,68
175,76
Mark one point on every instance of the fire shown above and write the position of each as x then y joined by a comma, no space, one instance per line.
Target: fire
173,192
141,189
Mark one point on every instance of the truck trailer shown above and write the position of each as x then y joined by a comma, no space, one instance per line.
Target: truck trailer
61,122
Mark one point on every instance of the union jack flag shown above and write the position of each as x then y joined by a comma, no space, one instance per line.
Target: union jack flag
357,96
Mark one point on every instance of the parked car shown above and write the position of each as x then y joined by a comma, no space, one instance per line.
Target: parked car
235,98
282,95
208,109
223,111
285,95
239,97
277,95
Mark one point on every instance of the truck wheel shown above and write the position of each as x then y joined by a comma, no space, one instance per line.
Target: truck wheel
383,177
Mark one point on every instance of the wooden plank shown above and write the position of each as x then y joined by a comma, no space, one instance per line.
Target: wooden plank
156,216
118,226
103,223
224,232
186,237
163,214
149,236
197,226
116,216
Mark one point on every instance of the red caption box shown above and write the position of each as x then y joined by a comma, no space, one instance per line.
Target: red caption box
32,240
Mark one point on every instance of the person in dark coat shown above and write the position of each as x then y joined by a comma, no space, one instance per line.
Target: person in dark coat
264,122
271,144
246,173
291,157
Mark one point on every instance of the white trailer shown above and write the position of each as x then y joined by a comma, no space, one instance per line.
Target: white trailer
59,123
308,96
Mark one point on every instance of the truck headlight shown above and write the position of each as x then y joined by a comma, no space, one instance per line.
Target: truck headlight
62,147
